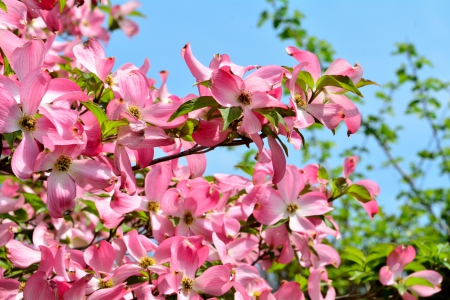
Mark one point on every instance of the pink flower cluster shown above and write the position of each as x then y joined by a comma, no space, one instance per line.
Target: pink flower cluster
91,213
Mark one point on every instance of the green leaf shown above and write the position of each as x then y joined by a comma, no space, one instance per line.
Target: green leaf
97,111
415,266
339,81
62,4
417,281
306,78
364,82
107,96
3,6
246,168
187,129
90,207
7,70
110,127
34,200
229,114
359,192
205,83
276,267
21,214
322,174
136,13
352,258
192,105
10,137
355,252
272,116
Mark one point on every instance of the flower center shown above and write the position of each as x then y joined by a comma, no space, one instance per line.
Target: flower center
153,206
106,284
187,283
63,163
28,123
146,262
21,286
134,110
292,207
109,80
188,218
300,101
245,98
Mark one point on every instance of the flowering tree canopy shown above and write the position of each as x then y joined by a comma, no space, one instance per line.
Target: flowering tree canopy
88,212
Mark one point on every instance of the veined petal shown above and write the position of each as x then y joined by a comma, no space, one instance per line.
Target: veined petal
9,42
61,194
87,52
134,87
225,89
351,112
100,257
303,56
114,293
350,165
329,114
32,91
199,71
24,157
425,291
104,66
159,113
78,289
28,57
62,88
301,224
214,281
91,174
250,123
10,113
21,256
278,160
39,288
291,184
157,181
270,208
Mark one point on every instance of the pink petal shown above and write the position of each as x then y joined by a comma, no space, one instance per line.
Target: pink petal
401,255
91,174
123,164
100,257
351,112
327,256
250,123
28,57
114,293
7,232
425,291
210,133
350,165
134,87
39,288
278,160
32,90
214,281
157,181
16,17
290,290
87,52
196,162
9,42
61,194
303,56
78,289
291,184
342,67
329,115
270,208
24,157
123,203
20,255
199,71
104,66
63,89
386,276
159,113
225,89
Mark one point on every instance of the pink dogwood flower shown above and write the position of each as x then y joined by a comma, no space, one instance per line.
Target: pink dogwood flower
392,274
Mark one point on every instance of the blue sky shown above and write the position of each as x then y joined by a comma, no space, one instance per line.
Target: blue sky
360,31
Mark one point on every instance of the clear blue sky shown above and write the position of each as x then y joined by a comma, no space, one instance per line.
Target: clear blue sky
360,31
